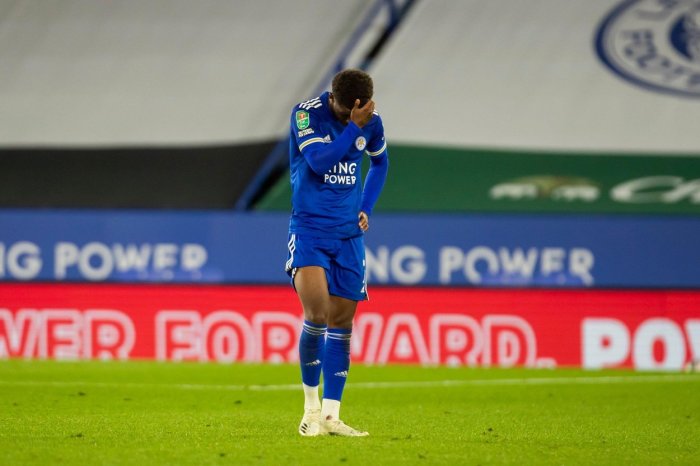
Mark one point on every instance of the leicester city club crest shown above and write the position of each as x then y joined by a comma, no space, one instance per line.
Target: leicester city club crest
654,44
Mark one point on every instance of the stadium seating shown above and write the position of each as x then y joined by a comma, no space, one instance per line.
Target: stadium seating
81,72
521,75
485,103
158,104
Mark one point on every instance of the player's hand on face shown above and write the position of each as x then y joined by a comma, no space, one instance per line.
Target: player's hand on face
362,115
364,221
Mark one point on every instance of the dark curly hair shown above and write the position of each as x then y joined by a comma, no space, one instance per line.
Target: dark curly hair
352,84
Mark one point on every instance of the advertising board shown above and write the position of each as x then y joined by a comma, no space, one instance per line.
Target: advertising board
644,330
447,250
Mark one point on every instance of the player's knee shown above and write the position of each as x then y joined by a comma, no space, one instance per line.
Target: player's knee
341,321
316,315
342,313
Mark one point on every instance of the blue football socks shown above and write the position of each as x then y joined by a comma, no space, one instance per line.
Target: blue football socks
311,346
336,362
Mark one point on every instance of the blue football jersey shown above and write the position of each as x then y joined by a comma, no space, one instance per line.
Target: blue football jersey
326,205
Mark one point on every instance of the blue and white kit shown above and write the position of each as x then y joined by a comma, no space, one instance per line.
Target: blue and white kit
325,158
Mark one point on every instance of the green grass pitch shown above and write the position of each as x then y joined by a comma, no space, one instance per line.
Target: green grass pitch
148,413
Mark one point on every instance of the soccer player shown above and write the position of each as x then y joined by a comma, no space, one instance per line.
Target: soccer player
330,213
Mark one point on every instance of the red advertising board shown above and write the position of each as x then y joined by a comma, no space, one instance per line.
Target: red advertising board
647,330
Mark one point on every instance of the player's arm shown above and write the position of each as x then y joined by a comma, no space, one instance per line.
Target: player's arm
376,176
320,156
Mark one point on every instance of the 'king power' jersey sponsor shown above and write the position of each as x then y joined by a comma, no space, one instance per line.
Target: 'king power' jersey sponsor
327,205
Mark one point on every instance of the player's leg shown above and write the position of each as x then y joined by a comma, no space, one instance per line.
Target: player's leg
312,289
337,365
347,287
337,357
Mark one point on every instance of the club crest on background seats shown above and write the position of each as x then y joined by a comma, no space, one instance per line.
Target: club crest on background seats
653,44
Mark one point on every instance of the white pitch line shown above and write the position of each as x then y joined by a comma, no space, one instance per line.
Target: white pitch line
600,380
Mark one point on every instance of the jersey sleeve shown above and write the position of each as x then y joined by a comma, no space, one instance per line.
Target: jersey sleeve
321,155
377,144
305,128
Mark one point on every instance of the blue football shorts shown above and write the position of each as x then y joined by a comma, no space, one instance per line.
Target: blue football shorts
342,259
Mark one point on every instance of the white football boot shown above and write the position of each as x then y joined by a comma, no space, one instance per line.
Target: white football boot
337,427
311,423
